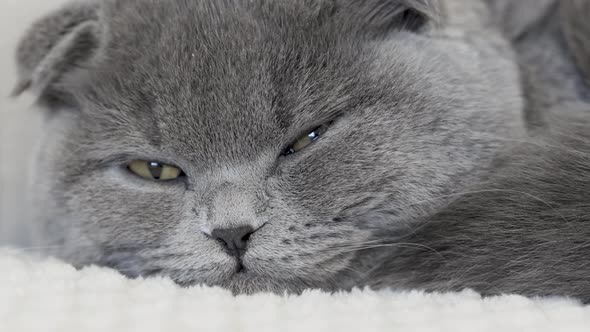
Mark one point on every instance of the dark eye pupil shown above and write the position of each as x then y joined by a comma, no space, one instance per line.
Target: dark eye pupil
155,169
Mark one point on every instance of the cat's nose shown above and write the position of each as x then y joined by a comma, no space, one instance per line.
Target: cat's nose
234,239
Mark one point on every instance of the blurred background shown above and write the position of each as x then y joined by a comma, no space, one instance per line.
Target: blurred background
19,121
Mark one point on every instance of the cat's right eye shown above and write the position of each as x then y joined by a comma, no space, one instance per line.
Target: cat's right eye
156,171
305,140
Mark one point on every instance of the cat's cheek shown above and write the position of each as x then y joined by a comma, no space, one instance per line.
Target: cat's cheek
297,240
114,210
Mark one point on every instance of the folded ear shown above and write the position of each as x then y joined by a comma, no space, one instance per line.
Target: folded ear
55,47
382,16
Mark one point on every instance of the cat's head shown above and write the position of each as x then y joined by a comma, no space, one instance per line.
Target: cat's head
257,145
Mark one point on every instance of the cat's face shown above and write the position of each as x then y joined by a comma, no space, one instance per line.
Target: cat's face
221,91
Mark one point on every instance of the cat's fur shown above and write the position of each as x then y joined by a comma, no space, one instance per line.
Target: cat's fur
458,153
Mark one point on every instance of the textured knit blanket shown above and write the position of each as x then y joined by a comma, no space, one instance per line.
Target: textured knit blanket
48,295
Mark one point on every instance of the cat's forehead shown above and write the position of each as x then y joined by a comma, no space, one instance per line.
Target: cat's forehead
235,71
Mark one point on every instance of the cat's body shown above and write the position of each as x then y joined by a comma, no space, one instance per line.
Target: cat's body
454,153
553,65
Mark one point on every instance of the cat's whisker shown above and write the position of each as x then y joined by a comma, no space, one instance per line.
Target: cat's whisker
541,143
394,245
356,248
26,249
348,244
50,250
484,191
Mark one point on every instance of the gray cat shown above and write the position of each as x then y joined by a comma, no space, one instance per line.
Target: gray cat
281,145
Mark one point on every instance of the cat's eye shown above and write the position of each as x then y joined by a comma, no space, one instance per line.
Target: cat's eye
152,170
306,140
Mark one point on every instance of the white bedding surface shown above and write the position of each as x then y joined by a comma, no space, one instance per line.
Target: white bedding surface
47,295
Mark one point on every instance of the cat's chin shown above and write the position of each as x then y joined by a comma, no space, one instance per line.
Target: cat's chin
247,282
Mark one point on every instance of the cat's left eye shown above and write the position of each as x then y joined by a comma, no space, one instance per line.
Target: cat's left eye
306,140
152,170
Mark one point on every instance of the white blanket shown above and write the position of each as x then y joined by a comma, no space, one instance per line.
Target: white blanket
47,295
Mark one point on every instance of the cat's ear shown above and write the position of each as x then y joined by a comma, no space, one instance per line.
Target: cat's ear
382,16
56,46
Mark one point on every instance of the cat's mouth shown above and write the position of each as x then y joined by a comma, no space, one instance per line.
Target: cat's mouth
240,267
248,278
242,270
249,282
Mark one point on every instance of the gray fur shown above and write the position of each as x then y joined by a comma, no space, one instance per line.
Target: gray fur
575,23
451,161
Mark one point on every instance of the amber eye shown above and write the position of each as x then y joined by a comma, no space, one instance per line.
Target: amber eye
154,171
306,140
